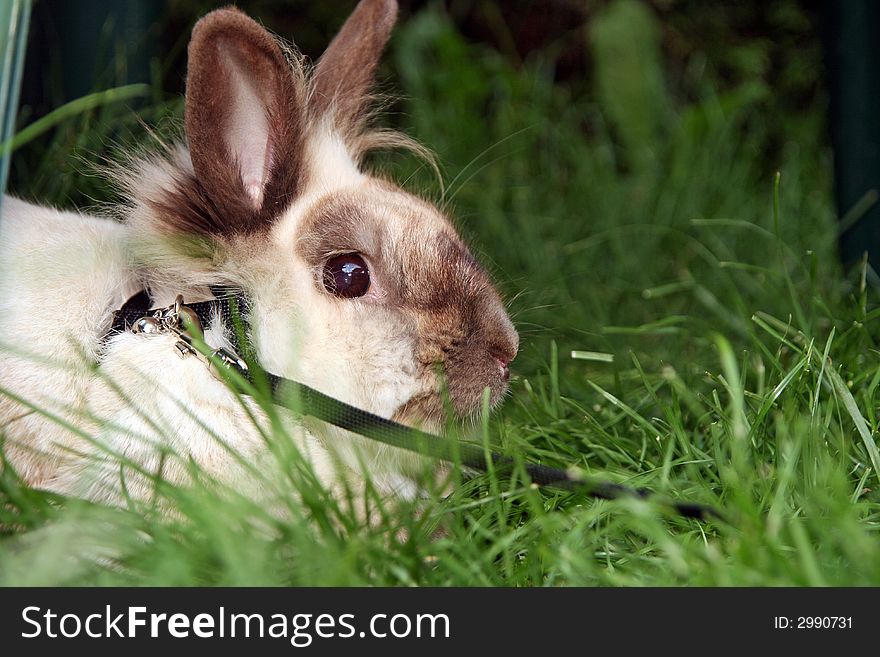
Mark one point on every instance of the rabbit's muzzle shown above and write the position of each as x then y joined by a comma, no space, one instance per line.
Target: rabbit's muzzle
463,349
479,362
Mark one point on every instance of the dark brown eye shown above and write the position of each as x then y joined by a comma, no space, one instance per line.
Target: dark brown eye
347,276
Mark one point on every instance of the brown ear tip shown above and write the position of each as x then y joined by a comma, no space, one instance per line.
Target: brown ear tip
389,6
230,17
381,12
387,10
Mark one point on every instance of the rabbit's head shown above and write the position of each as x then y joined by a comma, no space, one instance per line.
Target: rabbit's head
357,287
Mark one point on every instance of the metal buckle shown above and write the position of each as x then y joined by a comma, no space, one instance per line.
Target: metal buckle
182,321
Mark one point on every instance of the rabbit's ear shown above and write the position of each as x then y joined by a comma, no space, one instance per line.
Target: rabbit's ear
344,74
244,120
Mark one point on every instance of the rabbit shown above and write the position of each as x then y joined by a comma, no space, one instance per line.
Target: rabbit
356,287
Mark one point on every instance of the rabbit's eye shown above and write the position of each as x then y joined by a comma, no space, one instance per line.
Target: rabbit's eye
347,276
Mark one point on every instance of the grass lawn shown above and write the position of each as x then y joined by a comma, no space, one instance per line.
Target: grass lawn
685,327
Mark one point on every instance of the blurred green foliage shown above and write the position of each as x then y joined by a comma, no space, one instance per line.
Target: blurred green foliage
630,84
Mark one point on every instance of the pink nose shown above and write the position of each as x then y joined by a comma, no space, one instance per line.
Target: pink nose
503,362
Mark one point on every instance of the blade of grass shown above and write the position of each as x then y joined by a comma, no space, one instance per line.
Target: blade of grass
71,109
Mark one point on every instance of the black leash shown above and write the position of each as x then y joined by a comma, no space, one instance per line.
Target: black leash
308,401
231,305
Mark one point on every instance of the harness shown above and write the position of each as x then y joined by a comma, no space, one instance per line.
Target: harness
238,367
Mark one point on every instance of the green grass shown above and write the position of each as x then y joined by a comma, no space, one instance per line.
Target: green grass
722,356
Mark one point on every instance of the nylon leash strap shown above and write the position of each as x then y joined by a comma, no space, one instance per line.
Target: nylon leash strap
230,306
306,400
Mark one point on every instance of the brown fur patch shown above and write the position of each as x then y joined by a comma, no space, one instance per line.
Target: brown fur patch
339,225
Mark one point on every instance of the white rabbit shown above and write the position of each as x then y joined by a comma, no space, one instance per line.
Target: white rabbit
355,287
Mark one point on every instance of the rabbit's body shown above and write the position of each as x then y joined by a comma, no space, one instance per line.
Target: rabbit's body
354,287
61,274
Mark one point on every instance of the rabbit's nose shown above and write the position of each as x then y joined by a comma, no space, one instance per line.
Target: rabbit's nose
503,359
505,370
